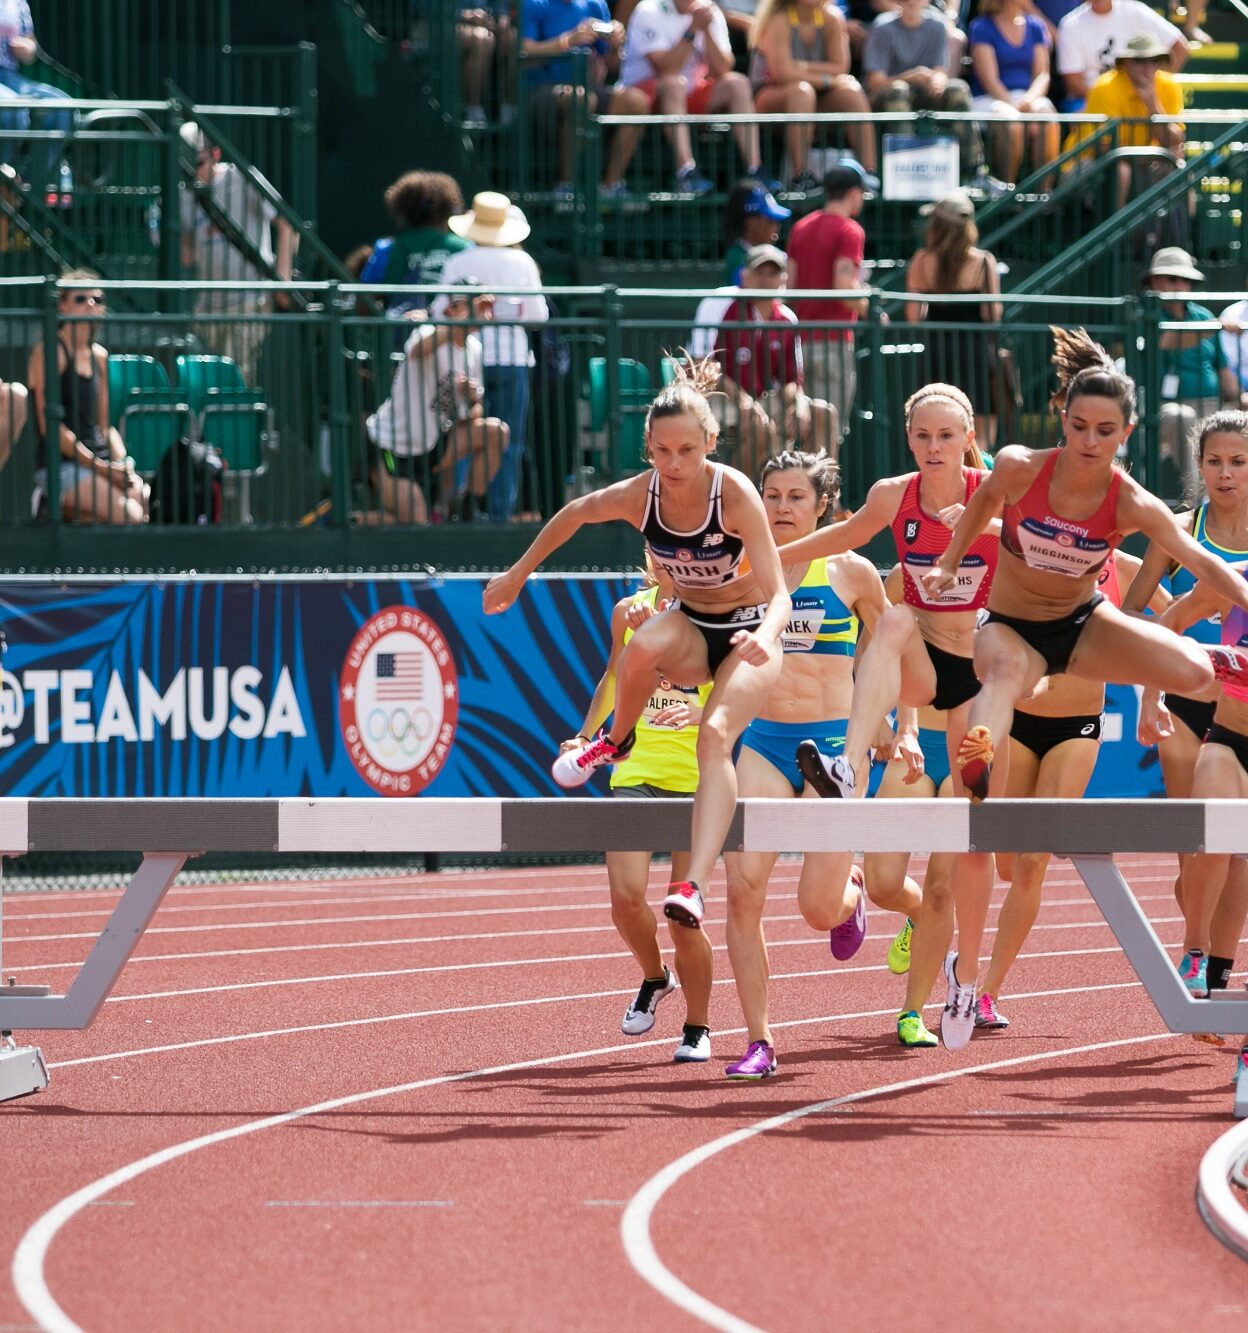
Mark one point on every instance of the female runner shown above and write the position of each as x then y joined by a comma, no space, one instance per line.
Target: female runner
921,651
663,763
919,767
1065,509
1213,898
700,520
1219,524
831,598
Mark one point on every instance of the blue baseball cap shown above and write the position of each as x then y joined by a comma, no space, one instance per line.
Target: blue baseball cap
762,203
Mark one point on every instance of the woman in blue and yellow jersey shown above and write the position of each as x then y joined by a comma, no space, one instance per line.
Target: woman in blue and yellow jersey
662,762
1219,523
831,597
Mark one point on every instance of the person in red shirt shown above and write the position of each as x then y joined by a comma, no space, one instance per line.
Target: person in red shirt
826,250
761,367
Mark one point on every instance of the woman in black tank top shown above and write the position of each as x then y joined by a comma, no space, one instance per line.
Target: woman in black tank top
98,483
727,630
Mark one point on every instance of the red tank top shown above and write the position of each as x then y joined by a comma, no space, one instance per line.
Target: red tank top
1042,540
922,540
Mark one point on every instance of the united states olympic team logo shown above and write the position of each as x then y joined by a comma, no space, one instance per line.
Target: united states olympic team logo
398,701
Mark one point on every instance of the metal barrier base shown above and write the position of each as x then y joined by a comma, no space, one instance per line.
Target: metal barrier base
22,1071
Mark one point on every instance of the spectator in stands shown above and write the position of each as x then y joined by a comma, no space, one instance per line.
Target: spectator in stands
1137,91
905,66
1235,340
826,251
751,217
484,32
1196,378
434,417
98,483
1010,74
18,47
12,417
422,204
949,263
677,52
226,237
499,228
861,14
552,28
1092,37
761,368
799,64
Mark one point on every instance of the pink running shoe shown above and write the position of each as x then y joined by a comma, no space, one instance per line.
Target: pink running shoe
574,768
759,1061
684,905
1230,667
846,939
987,1016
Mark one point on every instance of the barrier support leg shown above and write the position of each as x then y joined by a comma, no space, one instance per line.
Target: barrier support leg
31,1007
1179,1011
22,1068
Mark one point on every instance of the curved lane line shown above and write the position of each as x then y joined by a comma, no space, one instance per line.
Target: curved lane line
635,1223
1221,1211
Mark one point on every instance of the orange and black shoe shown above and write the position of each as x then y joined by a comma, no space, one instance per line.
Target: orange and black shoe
975,756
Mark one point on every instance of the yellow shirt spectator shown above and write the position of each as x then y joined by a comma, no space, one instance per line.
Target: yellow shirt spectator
1114,95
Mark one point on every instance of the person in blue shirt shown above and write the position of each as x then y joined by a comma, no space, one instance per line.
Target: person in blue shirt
18,47
1010,73
549,31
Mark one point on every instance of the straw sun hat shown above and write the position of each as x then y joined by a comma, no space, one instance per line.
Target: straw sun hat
492,220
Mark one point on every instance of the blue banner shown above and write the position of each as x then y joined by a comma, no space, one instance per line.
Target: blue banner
397,687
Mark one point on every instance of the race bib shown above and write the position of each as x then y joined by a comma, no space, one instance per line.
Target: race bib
970,578
1055,550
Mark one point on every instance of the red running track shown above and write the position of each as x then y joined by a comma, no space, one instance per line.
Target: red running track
407,1104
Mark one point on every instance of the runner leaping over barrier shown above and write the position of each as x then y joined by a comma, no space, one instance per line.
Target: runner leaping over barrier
169,832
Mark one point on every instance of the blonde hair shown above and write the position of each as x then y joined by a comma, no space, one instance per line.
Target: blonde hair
766,11
687,393
948,393
950,242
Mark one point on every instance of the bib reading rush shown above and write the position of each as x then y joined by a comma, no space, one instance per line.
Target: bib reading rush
1043,541
922,540
708,557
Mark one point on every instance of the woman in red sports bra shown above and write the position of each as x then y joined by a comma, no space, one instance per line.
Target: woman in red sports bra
921,651
1065,510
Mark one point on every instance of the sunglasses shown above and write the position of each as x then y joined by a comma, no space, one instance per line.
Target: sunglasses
84,298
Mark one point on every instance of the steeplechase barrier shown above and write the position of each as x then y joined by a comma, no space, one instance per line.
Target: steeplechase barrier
168,833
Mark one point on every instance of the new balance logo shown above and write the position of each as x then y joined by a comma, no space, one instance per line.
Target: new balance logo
713,539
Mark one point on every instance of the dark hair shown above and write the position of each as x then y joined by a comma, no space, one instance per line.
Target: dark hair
687,394
734,210
424,199
1229,421
822,472
948,393
357,260
1086,370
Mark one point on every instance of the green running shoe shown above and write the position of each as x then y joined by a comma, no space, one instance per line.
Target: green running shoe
899,950
912,1032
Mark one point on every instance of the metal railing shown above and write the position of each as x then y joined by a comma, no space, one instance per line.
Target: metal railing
291,414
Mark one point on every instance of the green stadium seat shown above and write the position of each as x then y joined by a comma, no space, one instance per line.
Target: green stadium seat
151,419
635,394
231,417
128,373
198,374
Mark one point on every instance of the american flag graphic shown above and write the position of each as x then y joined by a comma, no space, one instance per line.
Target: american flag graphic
398,675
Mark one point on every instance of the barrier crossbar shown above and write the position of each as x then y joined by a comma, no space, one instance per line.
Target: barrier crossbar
169,832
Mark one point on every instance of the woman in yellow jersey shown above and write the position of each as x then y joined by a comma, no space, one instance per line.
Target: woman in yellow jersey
831,596
919,767
662,762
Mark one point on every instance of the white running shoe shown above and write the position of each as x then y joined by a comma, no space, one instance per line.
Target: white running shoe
957,1021
695,1046
828,776
639,1016
684,905
574,768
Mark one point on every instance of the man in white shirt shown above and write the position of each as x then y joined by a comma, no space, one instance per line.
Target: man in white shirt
678,53
1091,38
1234,337
434,419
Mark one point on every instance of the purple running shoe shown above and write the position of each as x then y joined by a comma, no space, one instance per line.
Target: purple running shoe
846,939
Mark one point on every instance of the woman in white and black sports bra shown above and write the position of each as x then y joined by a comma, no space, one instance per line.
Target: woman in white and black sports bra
702,522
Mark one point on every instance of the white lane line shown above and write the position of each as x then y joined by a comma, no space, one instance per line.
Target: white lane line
359,1203
376,1019
28,1269
635,1224
808,942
